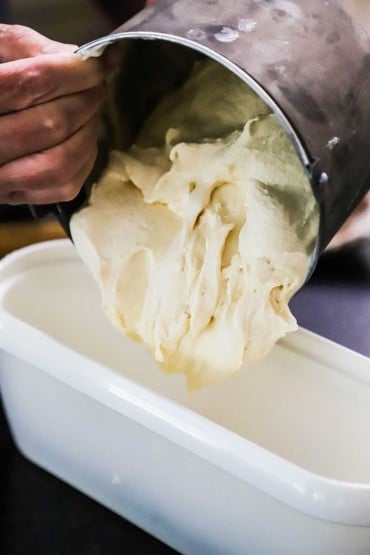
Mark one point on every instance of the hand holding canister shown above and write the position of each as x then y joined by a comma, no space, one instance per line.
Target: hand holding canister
48,107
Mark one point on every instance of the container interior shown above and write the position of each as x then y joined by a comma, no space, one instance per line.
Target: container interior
298,407
148,71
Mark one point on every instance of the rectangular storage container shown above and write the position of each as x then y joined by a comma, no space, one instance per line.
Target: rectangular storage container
275,461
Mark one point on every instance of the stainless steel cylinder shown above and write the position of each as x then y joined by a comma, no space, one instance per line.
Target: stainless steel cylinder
308,61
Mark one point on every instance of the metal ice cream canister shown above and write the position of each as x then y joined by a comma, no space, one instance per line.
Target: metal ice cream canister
308,61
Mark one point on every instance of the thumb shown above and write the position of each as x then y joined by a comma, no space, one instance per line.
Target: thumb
19,42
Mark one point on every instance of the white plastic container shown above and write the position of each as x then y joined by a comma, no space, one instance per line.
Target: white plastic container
275,461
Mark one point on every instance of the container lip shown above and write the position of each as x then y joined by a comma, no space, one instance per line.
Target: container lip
97,47
318,496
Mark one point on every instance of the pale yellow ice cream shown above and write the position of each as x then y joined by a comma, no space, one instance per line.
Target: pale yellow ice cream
203,231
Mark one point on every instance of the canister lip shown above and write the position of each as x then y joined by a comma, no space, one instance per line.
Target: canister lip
96,47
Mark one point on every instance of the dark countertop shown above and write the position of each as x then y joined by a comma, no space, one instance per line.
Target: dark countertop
41,515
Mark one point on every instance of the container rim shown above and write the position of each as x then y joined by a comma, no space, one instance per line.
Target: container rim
96,47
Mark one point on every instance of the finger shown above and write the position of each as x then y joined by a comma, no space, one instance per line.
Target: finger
17,41
33,81
46,125
64,193
52,167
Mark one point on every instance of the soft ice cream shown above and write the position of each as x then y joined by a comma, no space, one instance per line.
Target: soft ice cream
202,232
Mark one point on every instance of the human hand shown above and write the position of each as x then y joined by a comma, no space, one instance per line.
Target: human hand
49,121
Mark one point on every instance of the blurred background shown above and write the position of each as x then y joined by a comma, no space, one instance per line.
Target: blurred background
74,21
77,22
